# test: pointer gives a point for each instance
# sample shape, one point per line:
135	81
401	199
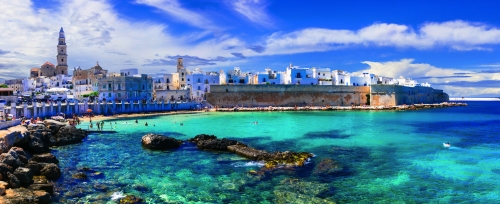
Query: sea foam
247	164
117	195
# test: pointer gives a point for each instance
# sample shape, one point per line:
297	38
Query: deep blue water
386	157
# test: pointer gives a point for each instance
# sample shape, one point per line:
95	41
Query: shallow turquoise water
387	157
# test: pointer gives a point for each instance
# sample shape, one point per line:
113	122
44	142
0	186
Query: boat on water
446	145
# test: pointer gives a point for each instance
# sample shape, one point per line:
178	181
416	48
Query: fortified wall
314	95
287	95
390	95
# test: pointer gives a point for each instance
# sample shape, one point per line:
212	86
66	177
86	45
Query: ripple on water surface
385	157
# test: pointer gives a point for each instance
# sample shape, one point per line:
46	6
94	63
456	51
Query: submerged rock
41	183
327	166
79	175
130	199
23	195
154	141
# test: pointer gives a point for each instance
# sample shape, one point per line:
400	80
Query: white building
236	76
364	79
29	84
270	77
302	76
199	83
324	76
406	82
129	72
340	77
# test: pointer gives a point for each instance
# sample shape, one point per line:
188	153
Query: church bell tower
62	57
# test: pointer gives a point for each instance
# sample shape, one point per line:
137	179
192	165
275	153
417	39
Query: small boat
447	145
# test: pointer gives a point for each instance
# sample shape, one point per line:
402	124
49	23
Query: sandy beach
103	117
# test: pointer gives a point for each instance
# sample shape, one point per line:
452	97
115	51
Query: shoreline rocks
272	160
160	142
25	178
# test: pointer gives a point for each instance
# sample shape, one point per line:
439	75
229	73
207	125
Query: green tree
93	95
4	86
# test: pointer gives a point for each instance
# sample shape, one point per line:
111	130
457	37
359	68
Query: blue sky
454	45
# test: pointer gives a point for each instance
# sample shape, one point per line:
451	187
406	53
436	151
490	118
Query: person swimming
446	144
146	124
136	121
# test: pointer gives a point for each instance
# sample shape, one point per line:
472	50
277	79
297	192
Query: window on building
298	75
168	80
182	79
104	86
198	80
263	79
199	88
119	94
242	81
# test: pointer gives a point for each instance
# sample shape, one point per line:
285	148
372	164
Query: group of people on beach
25	121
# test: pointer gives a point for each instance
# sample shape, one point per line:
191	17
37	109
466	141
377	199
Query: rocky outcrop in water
31	175
157	142
271	159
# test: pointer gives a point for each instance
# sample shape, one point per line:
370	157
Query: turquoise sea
385	157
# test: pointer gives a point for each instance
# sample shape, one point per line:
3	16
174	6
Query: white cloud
457	35
174	9
468	83
253	10
95	32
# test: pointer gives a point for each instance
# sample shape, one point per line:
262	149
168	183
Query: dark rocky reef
25	176
25	181
157	142
271	159
40	137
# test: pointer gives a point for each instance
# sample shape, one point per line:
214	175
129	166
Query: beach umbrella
89	111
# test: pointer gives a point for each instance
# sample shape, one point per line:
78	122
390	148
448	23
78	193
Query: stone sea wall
314	95
391	95
287	95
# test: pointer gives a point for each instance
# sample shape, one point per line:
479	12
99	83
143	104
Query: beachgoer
136	121
98	126
146	124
